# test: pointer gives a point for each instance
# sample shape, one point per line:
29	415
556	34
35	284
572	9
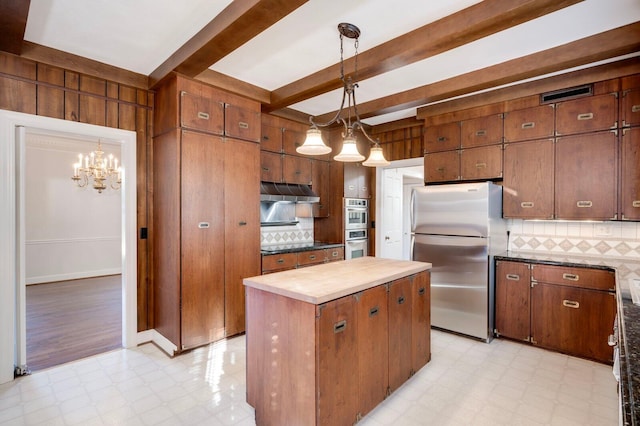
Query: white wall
71	232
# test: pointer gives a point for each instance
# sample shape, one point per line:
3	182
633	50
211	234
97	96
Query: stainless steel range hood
273	192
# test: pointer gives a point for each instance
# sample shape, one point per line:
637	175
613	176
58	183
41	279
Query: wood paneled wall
36	88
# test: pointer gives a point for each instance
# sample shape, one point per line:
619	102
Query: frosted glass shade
349	153
313	144
376	158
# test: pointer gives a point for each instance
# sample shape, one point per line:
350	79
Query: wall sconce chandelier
313	145
102	171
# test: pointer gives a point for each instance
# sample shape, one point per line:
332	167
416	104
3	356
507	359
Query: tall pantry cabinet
206	219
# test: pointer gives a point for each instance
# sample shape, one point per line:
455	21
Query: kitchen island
327	343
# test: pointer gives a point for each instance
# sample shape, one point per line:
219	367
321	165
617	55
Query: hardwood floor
69	320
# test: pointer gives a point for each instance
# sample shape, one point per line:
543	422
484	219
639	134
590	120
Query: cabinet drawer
442	138
201	113
270	166
334	254
481	163
291	140
311	257
529	123
271	138
442	166
481	131
242	123
596	279
273	262
587	115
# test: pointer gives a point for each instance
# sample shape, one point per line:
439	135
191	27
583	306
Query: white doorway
393	194
13	129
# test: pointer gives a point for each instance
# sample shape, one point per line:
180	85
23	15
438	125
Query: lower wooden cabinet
282	262
562	308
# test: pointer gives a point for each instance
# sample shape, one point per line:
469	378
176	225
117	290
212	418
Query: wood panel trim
467	25
13	22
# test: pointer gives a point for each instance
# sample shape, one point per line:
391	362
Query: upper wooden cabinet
442	166
356	181
292	139
190	104
443	137
296	169
270	166
630	174
630	107
588	114
321	184
271	139
528	180
530	123
481	163
586	176
481	131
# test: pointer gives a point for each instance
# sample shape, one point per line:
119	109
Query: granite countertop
297	247
628	315
329	281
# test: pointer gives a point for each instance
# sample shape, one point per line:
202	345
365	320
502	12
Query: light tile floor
466	383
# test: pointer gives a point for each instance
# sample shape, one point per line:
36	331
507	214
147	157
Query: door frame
12	233
411	162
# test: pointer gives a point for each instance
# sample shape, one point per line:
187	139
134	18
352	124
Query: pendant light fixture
314	145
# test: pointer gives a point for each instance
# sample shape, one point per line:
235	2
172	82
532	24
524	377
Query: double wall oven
356	221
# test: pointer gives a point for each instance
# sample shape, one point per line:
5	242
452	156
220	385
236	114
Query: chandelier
102	171
313	144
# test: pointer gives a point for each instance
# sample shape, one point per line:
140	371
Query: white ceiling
140	35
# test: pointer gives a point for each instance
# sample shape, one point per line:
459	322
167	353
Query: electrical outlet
602	230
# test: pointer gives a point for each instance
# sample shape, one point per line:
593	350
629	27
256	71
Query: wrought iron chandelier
103	171
313	145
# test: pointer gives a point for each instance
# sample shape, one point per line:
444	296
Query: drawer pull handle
571	277
243	125
203	225
529	125
242	223
266	169
400	300
586	116
481	133
422	291
440	169
281	260
570	304
334	254
636	203
442	139
373	311
298	172
583	204
527	204
340	326
364	188
481	165
203	115
635	108
312	257
513	277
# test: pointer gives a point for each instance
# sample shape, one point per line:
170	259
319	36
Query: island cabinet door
421	320
373	347
337	361
399	332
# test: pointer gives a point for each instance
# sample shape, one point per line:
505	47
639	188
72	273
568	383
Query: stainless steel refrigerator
458	228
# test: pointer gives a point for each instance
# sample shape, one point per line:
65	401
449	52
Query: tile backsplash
606	239
302	232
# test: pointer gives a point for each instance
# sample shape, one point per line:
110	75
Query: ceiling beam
13	22
235	25
470	24
609	44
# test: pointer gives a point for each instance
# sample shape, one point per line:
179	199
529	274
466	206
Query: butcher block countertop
329	281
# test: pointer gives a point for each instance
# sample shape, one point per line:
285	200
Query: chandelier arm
358	124
335	118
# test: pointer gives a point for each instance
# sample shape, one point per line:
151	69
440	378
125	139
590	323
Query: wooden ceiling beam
13	22
473	23
235	25
609	44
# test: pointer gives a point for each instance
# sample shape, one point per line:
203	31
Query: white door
391	241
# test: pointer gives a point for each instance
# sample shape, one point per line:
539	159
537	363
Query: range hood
273	192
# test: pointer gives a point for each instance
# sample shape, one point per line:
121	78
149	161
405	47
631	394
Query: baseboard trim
72	276
162	342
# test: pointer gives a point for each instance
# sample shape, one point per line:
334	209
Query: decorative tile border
576	238
289	234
